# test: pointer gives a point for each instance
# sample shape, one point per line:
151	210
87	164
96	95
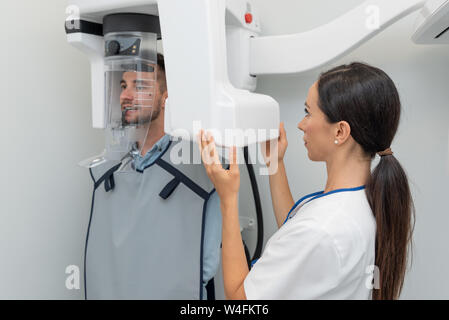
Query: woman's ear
342	131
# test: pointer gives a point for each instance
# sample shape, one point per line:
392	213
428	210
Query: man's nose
127	94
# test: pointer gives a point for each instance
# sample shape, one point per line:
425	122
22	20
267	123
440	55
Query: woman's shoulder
345	217
336	209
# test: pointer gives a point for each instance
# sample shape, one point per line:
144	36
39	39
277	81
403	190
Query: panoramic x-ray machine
213	54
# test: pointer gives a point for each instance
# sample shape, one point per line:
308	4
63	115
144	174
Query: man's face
139	97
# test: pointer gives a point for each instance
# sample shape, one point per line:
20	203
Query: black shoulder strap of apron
109	183
107	177
179	177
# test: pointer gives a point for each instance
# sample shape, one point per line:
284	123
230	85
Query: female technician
349	241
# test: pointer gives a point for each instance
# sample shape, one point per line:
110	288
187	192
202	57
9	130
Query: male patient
155	230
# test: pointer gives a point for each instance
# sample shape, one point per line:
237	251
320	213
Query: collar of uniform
141	162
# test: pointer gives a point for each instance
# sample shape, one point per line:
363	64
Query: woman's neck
345	171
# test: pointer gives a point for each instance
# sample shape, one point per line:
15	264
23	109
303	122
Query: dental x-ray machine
213	54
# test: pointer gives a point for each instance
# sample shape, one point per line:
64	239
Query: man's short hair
161	73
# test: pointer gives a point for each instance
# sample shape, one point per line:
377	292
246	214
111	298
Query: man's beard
142	120
156	111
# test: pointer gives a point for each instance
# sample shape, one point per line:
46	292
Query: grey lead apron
146	229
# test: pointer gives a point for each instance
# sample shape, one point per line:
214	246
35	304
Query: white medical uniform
324	250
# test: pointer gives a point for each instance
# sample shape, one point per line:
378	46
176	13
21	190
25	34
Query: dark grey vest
146	229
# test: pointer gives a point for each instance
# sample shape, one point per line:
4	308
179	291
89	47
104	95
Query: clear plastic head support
130	88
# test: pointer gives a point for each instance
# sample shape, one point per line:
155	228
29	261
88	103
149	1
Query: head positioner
130	75
130	58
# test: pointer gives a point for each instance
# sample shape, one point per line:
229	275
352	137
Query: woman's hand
226	182
279	147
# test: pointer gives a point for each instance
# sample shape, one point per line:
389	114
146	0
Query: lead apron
144	243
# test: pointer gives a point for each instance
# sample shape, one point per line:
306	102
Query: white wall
45	196
45	131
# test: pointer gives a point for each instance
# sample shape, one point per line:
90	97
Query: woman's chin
311	156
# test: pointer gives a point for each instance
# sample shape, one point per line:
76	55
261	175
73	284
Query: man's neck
155	133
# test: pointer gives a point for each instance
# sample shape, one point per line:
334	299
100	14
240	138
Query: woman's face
319	134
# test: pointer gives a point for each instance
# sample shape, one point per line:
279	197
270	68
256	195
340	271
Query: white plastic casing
432	25
93	47
200	92
301	52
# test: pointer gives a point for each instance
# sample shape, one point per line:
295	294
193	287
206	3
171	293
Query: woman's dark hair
366	98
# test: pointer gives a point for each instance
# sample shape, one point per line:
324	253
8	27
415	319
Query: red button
248	18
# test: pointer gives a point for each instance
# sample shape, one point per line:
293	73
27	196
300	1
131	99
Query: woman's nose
301	125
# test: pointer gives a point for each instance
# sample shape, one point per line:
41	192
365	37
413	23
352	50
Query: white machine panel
432	25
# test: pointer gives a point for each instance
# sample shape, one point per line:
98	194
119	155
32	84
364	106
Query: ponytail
390	199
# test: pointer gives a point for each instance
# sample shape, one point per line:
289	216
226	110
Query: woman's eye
307	112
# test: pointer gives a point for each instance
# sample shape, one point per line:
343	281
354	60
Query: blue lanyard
317	195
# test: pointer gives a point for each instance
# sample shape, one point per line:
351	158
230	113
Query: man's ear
164	97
